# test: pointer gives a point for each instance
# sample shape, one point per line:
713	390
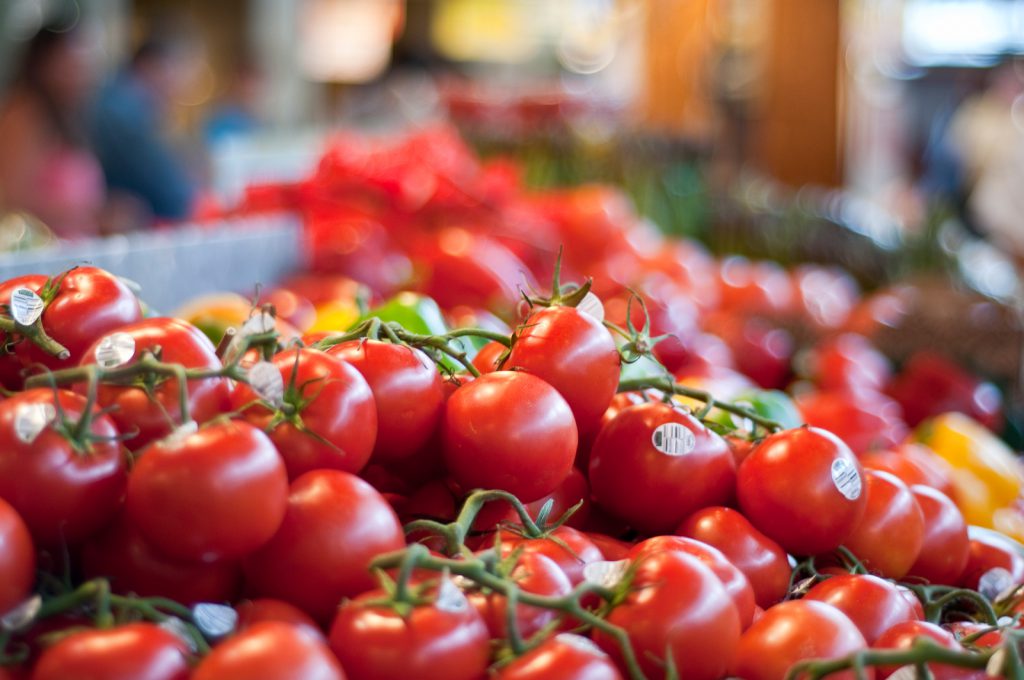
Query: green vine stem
454	533
936	599
923	651
36	334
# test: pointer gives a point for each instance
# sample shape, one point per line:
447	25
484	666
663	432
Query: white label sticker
214	620
846	478
181	433
178	629
261	322
579	642
673	439
591	306
266	381
32	419
22	615
26	306
994	582
605	573
449	597
115	350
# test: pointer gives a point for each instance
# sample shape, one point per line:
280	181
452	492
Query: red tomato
154	413
512	431
322	288
438	641
654	464
755	287
914	464
989	551
573	490
260	610
120	554
407	389
962	629
463	268
10	366
575	354
533	573
89	303
17	559
611	548
762	352
331	419
735	582
335	525
215	494
564	657
270	649
865	420
847	362
135	651
889	537
931	384
793	631
290	306
903	635
486	360
63	494
873	604
765	564
825	295
570	549
676	605
945	548
802	489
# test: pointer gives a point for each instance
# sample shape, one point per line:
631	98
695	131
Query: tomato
564	657
873	604
17	559
10	367
931	384
802	489
988	552
945	548
154	414
758	287
890	535
290	306
762	352
119	554
962	629
509	430
135	651
735	582
407	389
486	360
847	361
260	610
825	295
533	573
215	494
334	526
569	548
676	605
793	631
64	494
914	464
89	303
764	563
903	635
574	353
328	418
611	548
573	490
437	641
270	649
864	419
654	464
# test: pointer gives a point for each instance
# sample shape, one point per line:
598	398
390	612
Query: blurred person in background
237	112
46	167
130	128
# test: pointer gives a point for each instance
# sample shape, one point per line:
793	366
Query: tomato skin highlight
135	651
563	657
271	649
946	546
903	635
873	604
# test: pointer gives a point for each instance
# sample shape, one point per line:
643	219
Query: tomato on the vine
890	535
903	635
945	547
534	573
873	604
563	657
262	609
571	549
17	558
134	651
271	649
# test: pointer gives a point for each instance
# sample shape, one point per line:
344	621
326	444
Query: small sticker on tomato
117	349
31	419
266	381
26	306
214	620
607	574
995	582
846	477
449	597
673	439
591	306
179	629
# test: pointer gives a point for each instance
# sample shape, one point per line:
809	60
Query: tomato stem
923	651
36	334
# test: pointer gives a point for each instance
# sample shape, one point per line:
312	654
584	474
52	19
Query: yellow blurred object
337	315
213	314
988	477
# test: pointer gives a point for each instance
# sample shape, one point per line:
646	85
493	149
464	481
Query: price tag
266	381
846	478
115	350
673	439
31	419
605	573
26	306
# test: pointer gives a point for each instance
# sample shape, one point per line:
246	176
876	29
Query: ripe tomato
873	604
989	551
135	651
793	631
509	430
676	606
119	554
215	494
10	366
486	360
802	489
439	641
331	419
847	361
260	610
407	389
654	464
889	537
573	490
575	354
864	419
89	303
334	526
533	573
914	464
735	582
569	548
271	649
764	563
17	558
945	547
903	635
154	413
563	657
64	494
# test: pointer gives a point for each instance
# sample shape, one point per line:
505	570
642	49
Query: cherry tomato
407	389
904	634
889	537
437	641
765	564
564	657
271	649
135	651
793	631
334	526
676	605
512	431
219	493
65	494
989	551
533	573
654	464
17	558
865	420
569	548
945	548
873	604
328	418
260	610
802	489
